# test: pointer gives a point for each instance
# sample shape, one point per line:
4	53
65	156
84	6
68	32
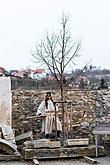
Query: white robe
48	122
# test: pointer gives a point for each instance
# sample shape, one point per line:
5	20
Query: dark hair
48	94
46	100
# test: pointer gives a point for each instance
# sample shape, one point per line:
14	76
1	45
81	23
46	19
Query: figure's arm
41	108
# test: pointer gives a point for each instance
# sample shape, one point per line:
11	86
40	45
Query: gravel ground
102	160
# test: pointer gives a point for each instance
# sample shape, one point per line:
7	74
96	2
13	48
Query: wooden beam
90	160
96	143
35	162
42	116
20	139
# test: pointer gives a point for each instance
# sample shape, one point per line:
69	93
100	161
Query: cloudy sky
23	23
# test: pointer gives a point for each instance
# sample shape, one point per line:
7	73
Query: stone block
76	142
41	143
20	139
66	152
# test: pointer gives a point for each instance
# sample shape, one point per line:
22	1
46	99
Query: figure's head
48	96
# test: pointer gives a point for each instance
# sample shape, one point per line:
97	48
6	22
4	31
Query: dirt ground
102	160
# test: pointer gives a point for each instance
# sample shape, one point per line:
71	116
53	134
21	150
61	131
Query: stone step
68	152
41	143
76	142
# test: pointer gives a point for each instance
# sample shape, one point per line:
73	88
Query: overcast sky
23	23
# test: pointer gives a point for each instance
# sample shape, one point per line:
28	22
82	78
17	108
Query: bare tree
57	52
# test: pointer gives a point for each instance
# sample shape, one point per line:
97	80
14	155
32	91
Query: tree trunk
62	100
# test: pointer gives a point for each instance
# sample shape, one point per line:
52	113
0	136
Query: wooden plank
35	161
41	116
90	160
35	117
9	157
76	142
20	139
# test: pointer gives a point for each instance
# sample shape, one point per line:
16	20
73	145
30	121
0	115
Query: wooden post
63	127
96	143
55	121
70	117
66	119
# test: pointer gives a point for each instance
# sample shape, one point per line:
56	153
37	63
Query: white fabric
42	108
48	123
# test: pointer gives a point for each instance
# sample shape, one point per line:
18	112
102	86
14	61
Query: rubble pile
88	107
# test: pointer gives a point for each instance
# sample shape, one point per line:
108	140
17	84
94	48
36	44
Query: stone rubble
88	108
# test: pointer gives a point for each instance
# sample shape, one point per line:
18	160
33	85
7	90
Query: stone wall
5	101
88	107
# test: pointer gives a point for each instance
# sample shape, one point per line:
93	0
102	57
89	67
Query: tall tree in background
57	52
